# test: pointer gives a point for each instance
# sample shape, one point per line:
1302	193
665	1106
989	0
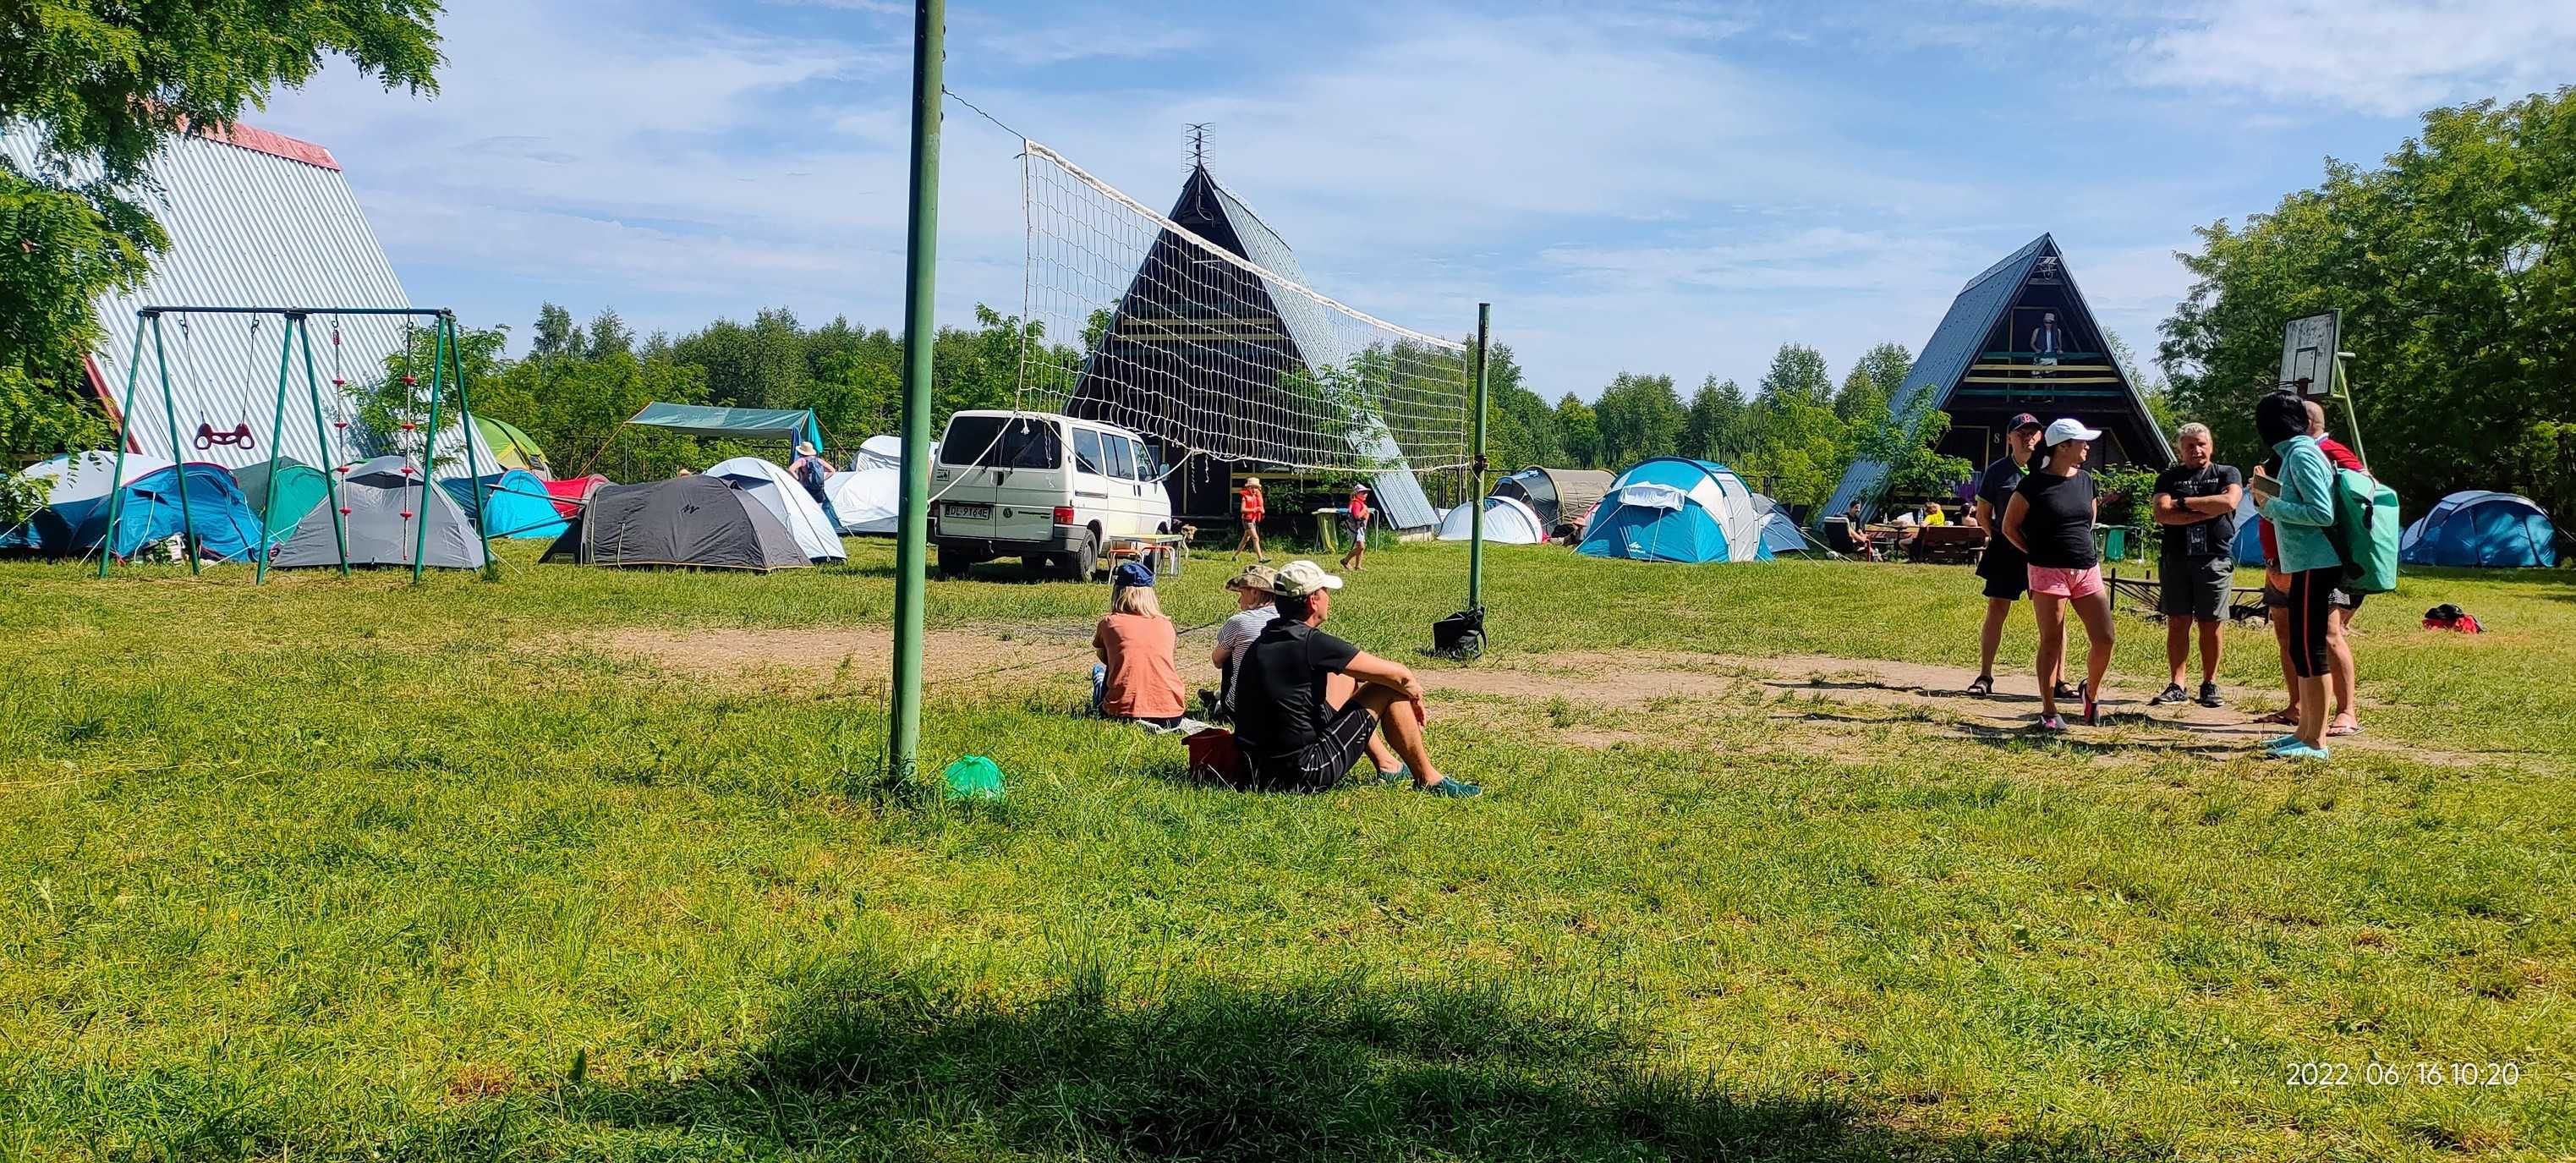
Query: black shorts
2195	587
2007	576
2305	608
2338	597
1322	763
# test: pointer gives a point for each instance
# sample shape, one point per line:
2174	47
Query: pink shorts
2066	583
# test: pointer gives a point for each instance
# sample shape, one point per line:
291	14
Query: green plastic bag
974	778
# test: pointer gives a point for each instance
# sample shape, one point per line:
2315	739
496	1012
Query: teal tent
286	495
520	504
783	424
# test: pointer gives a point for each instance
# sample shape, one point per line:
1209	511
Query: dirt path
978	657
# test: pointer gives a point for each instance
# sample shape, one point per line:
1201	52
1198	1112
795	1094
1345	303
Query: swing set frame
446	367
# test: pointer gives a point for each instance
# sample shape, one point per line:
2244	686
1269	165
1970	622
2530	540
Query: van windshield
1002	442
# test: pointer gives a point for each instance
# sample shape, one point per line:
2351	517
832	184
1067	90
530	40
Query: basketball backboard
2308	352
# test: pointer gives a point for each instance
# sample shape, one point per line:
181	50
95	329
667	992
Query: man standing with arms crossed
2195	503
2005	570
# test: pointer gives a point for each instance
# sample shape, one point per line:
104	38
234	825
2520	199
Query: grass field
586	864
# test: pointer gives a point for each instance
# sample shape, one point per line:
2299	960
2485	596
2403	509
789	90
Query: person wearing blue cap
1137	677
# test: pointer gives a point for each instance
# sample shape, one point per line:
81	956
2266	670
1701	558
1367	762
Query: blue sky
1652	186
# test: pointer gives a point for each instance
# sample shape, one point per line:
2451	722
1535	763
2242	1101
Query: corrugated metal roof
259	219
1956	343
1310	326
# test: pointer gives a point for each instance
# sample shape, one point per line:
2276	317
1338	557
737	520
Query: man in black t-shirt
1308	705
2005	571
2195	504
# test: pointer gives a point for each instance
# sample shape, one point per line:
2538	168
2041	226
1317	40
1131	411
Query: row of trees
2454	264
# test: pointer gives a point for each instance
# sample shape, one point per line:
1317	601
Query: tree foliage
2455	270
100	85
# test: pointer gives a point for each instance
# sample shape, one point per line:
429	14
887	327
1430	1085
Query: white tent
866	499
1508	521
786	500
879	452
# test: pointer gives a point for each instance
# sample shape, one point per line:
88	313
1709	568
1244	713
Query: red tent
570	495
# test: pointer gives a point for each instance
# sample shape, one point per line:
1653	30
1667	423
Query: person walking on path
1250	507
1357	524
2195	504
2050	519
2005	571
2299	503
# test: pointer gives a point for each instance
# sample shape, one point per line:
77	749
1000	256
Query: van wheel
953	563
1079	564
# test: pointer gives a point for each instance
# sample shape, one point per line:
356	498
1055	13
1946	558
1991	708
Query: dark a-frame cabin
1985	363
1195	356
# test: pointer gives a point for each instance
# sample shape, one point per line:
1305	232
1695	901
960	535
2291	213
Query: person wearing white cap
2050	519
1308	705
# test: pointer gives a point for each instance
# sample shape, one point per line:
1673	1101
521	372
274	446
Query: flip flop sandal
2284	718
1979	689
2346	729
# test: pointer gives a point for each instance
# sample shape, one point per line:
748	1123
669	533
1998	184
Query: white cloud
2389	57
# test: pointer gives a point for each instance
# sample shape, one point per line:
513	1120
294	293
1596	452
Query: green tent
510	448
296	488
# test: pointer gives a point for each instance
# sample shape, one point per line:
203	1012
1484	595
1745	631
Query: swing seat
239	437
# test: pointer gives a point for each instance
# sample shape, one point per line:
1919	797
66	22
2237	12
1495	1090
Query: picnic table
1163	553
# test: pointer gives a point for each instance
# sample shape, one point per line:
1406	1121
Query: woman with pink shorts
2050	518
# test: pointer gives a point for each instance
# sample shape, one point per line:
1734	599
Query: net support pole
912	540
124	440
276	431
1476	468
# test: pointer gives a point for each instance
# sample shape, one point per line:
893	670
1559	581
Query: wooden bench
1947	545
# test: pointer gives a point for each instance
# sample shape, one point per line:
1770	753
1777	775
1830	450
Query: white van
1049	490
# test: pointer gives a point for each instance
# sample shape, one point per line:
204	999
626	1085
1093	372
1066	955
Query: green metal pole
322	440
124	437
429	447
1476	515
276	429
170	417
912	542
473	468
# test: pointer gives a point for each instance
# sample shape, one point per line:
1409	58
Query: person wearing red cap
2005	571
1356	524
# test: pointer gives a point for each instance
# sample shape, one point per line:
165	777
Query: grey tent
693	522
383	503
1562	497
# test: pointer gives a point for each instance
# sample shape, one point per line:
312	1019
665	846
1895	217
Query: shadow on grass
2032	736
878	1063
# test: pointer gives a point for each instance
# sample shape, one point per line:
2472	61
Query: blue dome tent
2479	528
74	519
1673	509
1780	535
521	507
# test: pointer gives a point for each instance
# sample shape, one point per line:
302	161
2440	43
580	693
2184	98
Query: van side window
1122	457
1087	456
997	442
1148	466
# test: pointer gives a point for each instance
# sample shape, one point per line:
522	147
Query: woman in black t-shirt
2050	519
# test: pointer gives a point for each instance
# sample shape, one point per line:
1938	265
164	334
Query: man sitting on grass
1307	705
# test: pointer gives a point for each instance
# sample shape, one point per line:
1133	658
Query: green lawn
356	870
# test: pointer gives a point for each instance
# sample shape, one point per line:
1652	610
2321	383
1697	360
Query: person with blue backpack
2299	501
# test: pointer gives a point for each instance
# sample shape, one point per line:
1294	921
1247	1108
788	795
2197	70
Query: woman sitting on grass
2050	519
1137	678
